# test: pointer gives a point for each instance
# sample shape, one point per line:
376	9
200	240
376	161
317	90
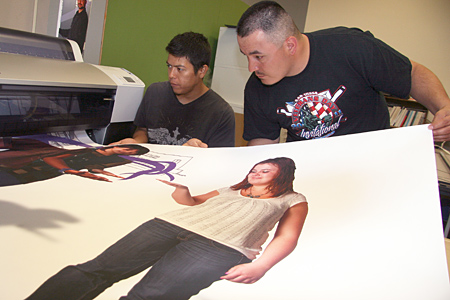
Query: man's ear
203	70
291	44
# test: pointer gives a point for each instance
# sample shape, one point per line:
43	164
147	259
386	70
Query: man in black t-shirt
325	83
183	110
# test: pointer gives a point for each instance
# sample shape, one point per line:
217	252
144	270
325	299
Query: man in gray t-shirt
183	110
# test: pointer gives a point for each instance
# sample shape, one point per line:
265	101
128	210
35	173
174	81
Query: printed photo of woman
218	235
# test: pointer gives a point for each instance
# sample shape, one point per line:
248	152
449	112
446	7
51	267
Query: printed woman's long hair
282	183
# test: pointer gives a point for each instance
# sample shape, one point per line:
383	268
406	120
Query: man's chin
269	81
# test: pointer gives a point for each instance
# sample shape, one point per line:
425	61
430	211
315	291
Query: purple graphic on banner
153	167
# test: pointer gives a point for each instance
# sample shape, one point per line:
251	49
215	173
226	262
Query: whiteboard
230	70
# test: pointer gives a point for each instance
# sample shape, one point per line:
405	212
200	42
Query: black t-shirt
338	93
169	122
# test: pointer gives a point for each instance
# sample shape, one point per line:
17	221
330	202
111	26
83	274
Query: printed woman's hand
106	173
86	174
245	273
175	185
181	194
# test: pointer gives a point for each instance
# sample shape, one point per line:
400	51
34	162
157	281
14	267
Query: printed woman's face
262	174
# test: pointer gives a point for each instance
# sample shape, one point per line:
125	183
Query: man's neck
301	55
193	95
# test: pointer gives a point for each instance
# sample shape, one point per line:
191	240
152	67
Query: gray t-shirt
168	122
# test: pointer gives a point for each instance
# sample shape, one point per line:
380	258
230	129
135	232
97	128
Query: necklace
255	196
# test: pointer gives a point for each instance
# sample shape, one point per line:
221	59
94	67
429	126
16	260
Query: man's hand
195	143
441	125
427	89
125	141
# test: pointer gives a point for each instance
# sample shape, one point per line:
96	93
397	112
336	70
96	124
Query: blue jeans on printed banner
183	263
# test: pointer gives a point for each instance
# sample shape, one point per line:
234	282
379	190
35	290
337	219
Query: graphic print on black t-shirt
314	114
163	136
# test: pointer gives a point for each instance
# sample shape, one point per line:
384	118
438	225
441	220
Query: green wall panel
137	31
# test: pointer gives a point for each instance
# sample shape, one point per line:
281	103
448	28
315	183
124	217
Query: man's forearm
261	141
140	135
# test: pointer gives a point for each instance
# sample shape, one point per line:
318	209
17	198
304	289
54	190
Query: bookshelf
405	112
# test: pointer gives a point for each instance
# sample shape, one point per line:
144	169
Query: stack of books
402	116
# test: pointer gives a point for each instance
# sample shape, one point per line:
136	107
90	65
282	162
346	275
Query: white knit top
229	218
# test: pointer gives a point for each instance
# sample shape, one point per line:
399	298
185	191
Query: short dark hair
269	17
194	46
282	183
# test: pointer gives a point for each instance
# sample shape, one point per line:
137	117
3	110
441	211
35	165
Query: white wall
39	16
230	70
17	14
296	8
417	28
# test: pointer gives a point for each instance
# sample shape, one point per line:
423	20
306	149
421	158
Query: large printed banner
373	231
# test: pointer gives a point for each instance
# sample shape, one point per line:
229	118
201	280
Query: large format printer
46	87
